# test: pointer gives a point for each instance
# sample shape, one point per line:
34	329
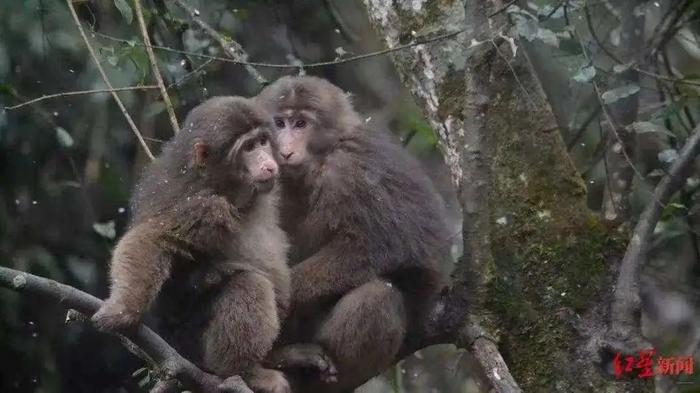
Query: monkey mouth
290	165
264	185
292	170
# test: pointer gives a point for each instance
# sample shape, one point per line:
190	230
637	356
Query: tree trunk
543	260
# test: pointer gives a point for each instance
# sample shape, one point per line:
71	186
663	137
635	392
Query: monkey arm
330	273
140	265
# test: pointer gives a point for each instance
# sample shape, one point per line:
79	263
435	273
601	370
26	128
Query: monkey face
293	131
256	161
231	144
310	117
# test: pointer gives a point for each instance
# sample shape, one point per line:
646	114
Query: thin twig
190	74
122	108
232	48
339	20
594	34
584	126
613	128
154	67
626	296
418	41
78	93
169	362
515	74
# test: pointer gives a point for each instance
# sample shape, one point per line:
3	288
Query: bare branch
107	82
232	48
626	297
169	362
154	66
78	93
486	351
423	40
190	74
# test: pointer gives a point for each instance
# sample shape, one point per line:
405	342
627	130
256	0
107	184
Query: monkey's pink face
293	132
256	157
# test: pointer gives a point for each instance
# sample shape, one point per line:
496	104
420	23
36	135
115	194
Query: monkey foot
165	386
234	384
264	380
112	317
309	356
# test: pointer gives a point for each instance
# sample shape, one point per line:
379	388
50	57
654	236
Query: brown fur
204	250
366	230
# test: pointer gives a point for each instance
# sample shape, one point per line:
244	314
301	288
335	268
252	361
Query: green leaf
154	109
105	229
139	372
64	138
145	381
643	127
668	156
125	9
113	60
585	74
530	30
614	95
548	37
139	57
6	89
620	68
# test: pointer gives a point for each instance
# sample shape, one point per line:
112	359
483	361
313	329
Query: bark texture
544	262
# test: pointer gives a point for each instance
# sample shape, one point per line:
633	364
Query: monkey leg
243	324
362	334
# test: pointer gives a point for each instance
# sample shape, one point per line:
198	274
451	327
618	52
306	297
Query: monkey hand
234	384
308	356
115	317
265	380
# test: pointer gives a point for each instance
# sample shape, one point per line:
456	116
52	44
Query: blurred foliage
67	164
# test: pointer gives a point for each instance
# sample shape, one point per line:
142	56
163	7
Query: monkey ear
201	153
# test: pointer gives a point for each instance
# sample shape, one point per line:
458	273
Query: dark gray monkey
367	236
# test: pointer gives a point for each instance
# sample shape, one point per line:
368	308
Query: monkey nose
287	155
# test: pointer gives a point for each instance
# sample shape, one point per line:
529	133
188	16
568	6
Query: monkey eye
279	123
300	124
248	146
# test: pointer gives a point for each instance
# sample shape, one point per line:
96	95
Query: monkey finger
328	371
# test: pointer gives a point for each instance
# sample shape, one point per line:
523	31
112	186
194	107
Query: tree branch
422	40
169	362
78	93
461	131
154	66
626	299
232	48
122	108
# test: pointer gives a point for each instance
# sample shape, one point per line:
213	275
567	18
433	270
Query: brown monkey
205	246
367	236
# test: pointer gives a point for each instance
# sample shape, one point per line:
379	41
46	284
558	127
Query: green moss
551	253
